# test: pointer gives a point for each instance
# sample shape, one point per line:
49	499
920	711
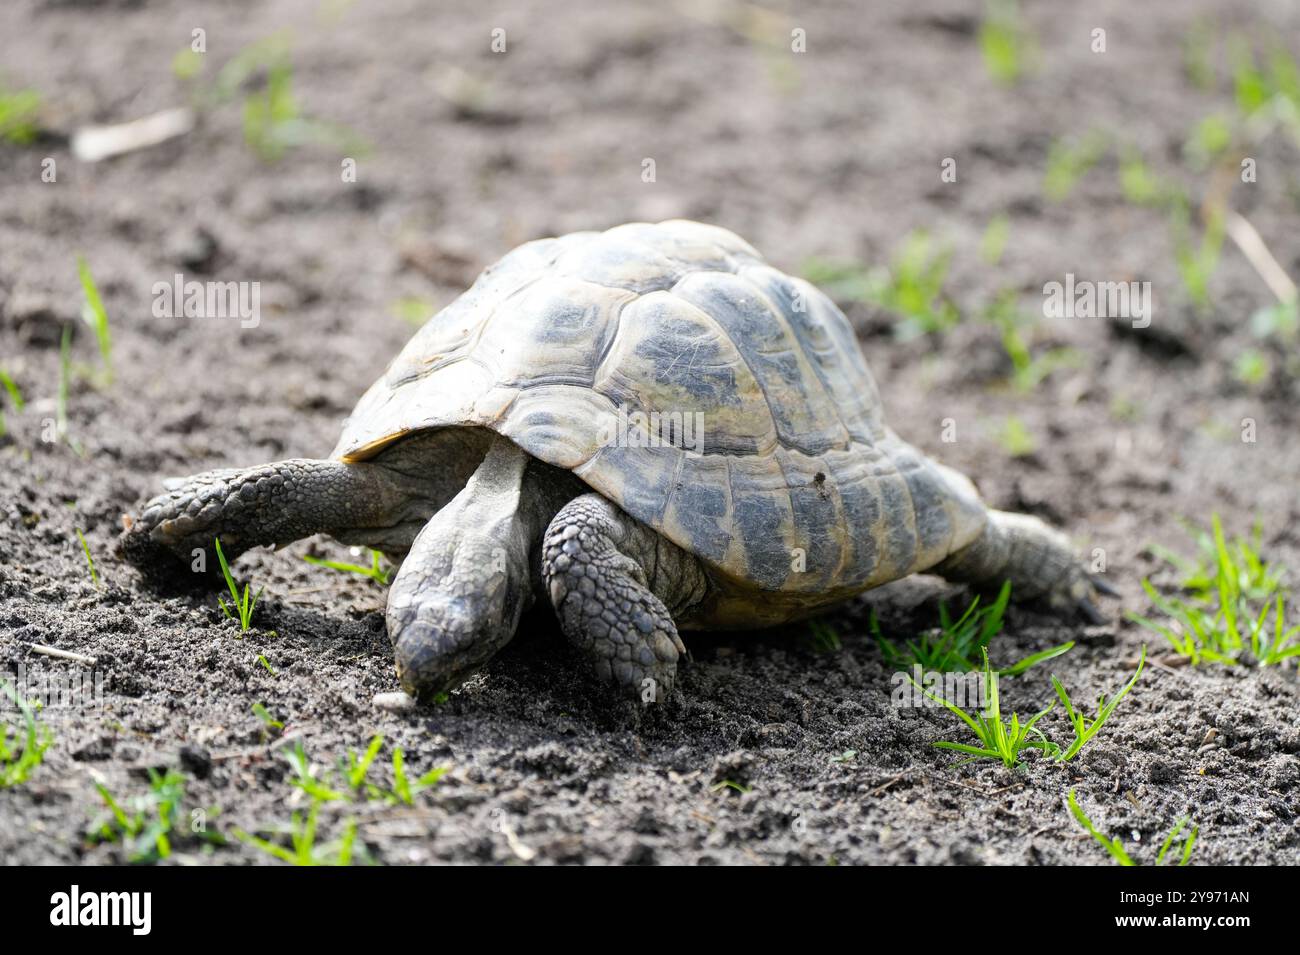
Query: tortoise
648	426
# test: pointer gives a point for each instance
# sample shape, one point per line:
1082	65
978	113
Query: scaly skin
612	581
274	504
1037	560
457	599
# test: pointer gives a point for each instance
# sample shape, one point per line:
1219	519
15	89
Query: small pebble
398	702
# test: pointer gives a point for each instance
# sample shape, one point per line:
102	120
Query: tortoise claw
1090	612
1102	586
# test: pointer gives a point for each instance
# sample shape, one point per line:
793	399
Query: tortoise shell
588	350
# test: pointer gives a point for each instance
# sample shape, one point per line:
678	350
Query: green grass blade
90	561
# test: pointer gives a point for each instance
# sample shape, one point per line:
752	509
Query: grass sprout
994	240
12	390
1000	739
146	825
1027	369
374	571
406	789
95	315
1068	161
1016	438
274	124
1116	848
15	398
1218	621
1084	728
1005	42
90	561
243	605
1197	257
351	779
263	714
1236	559
22	749
18	112
824	638
911	287
302	849
65	383
956	645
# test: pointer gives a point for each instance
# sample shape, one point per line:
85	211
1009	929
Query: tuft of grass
1084	728
730	784
958	641
90	561
11	388
1006	739
1140	185
824	637
95	315
147	824
1000	739
15	398
1005	42
1238	557
302	849
913	287
263	714
374	571
413	309
1068	161
1209	140
1218	621
955	646
1281	320
994	240
244	606
308	778
350	780
403	787
272	121
18	112
21	749
1027	369
1116	848
1016	438
274	124
1251	367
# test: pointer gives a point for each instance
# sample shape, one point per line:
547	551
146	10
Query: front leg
594	562
269	504
460	591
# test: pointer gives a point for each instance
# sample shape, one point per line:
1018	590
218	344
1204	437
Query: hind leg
616	585
1037	559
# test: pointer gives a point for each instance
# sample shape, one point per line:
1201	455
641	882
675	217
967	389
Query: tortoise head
450	633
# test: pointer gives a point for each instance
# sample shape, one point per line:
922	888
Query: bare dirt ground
832	155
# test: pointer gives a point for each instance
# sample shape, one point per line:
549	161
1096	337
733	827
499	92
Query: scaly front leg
269	504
